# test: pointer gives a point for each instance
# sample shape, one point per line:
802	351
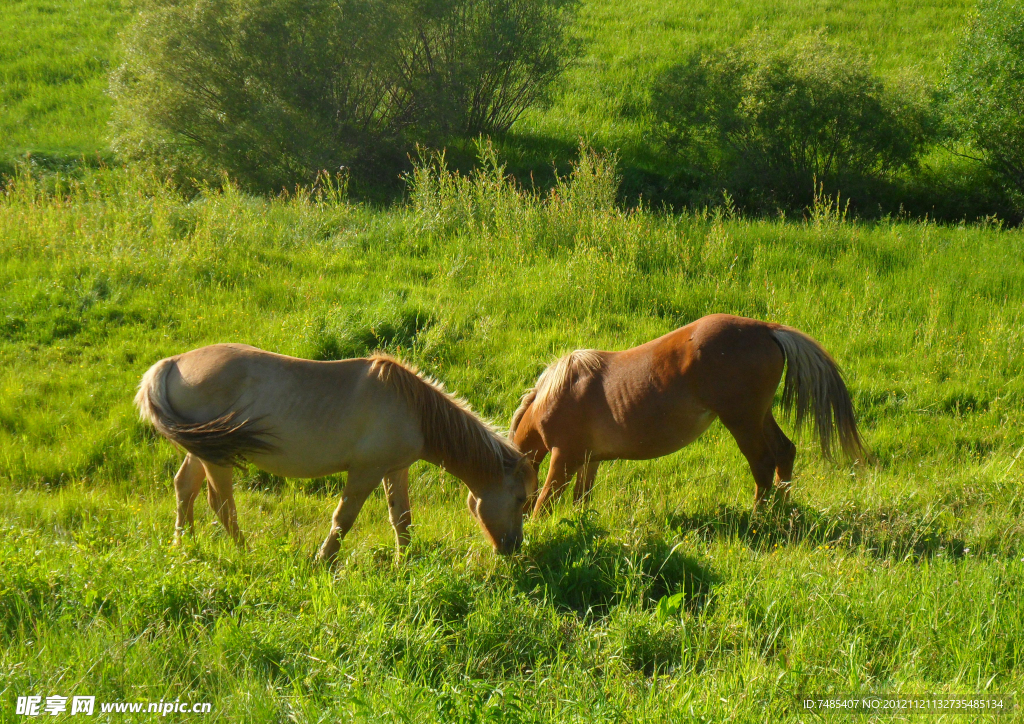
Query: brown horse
297	418
654	399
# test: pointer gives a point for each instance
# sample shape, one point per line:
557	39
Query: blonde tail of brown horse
814	388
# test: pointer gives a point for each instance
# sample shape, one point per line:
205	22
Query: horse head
499	506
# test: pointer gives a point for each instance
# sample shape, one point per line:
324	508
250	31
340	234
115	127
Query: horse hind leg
220	493
755	448
187	483
782	447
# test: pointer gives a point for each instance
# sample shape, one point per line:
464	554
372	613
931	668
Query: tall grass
629	44
897	577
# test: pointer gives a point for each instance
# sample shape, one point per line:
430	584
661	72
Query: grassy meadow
667	601
626	44
54	60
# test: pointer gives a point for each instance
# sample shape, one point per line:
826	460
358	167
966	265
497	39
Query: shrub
985	89
765	122
273	91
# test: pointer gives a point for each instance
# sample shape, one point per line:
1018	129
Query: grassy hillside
54	56
54	59
895	578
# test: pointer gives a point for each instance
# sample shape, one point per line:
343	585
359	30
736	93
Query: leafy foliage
985	89
273	91
765	122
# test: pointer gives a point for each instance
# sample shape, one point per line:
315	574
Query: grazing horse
654	399
298	418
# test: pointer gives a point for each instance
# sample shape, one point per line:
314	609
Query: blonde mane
565	372
450	428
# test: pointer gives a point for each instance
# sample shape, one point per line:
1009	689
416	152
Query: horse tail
814	386
225	440
524	404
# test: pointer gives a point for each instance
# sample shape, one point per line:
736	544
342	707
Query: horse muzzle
510	544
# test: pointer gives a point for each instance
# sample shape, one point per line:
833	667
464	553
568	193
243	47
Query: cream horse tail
225	440
814	386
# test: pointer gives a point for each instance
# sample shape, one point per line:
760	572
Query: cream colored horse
299	418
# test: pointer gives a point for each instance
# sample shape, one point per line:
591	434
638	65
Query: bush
985	90
764	122
273	91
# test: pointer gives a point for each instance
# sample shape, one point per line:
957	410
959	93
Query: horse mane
565	372
450	427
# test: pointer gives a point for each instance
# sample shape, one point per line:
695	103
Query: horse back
728	363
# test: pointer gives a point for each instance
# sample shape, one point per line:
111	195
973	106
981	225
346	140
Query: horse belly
298	462
348	442
647	437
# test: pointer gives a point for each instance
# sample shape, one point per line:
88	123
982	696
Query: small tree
985	89
764	122
274	91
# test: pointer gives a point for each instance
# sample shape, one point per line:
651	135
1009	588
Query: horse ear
473	503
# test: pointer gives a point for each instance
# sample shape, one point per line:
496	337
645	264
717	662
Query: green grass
55	56
54	60
899	577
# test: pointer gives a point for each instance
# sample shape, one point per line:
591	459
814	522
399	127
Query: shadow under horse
655	399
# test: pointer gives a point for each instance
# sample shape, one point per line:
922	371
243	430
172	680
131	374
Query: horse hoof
323	559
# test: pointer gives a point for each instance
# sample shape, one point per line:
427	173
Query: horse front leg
560	472
585	482
396	489
358	487
536	456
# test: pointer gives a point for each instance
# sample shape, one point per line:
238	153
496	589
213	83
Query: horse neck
468	474
459	442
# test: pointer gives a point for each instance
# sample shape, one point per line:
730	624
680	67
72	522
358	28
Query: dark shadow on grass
579	567
49	163
879	532
537	162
